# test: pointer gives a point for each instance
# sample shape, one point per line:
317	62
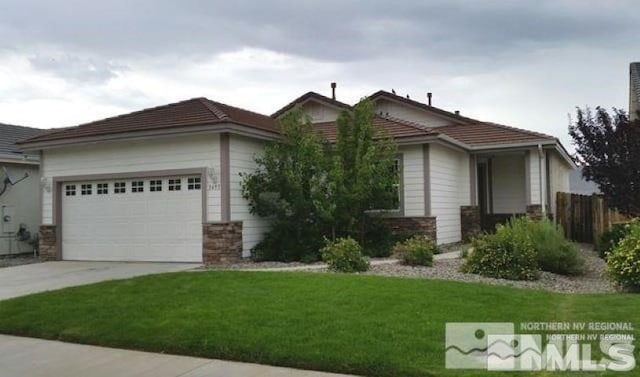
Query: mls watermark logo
497	347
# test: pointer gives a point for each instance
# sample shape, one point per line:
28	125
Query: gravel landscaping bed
593	281
17	260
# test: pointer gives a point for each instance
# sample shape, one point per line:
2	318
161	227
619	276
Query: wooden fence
585	217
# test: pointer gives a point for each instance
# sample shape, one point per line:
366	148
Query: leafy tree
362	174
290	188
310	189
608	148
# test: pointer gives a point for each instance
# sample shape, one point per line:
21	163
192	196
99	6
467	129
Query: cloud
76	68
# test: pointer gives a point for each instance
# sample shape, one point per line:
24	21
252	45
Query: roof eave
219	127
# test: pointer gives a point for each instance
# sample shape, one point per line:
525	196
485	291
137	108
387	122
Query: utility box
7	220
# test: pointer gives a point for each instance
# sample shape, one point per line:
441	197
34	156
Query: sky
526	64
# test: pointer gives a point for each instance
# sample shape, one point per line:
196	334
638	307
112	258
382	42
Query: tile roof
396	128
307	96
423	106
9	134
192	112
485	133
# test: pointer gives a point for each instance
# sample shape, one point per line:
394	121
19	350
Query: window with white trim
155	185
175	184
102	188
119	187
193	183
85	189
70	190
137	186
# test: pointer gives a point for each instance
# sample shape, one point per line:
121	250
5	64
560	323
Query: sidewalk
29	357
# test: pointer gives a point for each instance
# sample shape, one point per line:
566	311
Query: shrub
345	255
554	252
623	262
610	238
506	254
416	251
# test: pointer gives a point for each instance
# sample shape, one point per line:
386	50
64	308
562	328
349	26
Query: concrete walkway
28	357
32	278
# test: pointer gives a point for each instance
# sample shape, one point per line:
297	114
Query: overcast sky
522	63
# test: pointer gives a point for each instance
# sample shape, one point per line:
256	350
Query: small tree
290	188
363	177
608	148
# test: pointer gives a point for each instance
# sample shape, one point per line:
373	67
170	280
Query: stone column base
419	225
221	242
470	222
534	211
48	243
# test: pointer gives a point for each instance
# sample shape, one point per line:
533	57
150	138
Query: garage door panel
132	226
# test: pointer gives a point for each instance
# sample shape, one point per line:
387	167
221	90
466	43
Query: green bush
504	254
623	262
416	251
554	252
609	239
345	255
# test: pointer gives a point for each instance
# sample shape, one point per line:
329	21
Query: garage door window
137	186
174	184
119	188
193	183
102	189
70	190
86	189
155	185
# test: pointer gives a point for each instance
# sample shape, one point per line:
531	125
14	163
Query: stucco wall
319	112
413	180
559	174
23	203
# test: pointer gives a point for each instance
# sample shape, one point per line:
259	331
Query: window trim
102	188
155	185
191	186
137	187
86	189
117	187
174	184
70	190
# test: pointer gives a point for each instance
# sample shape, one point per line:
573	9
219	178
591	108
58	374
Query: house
19	191
163	184
634	90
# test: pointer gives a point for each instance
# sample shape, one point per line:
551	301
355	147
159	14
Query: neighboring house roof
485	133
396	128
422	106
311	96
192	112
579	185
9	134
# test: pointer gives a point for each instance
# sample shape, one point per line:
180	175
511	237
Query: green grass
342	323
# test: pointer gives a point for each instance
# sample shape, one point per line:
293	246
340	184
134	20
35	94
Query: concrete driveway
40	277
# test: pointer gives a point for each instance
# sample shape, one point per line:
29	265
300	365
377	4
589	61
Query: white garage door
146	219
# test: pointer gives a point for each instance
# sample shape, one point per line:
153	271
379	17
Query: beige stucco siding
413	180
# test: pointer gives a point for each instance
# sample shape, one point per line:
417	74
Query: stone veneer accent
470	222
48	243
221	242
416	225
534	211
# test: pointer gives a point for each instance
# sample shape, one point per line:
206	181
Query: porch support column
535	177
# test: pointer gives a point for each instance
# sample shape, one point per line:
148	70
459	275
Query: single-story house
19	191
163	184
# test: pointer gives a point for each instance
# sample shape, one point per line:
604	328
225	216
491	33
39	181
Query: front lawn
363	325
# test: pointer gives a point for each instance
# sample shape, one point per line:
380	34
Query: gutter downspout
541	184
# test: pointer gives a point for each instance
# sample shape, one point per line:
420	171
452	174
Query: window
85	189
70	190
396	168
119	187
174	184
102	189
155	185
137	186
193	183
